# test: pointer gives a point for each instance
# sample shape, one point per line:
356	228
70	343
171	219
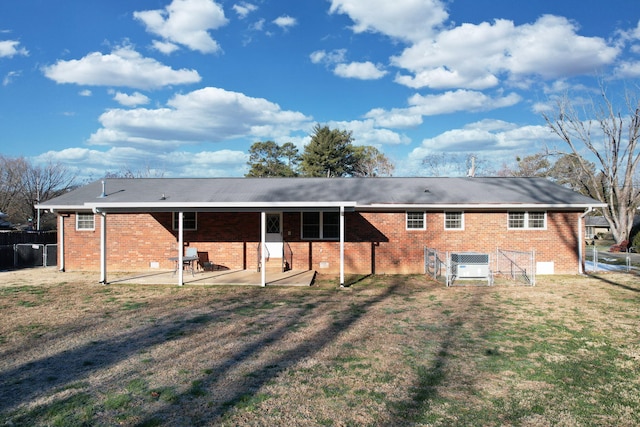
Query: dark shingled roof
363	191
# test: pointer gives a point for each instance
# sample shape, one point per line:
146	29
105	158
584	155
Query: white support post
103	248
61	243
180	248
263	248
341	246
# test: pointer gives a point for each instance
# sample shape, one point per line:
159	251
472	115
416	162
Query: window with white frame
85	221
416	220
189	221
453	221
527	220
321	225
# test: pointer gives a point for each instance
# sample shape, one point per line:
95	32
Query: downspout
581	240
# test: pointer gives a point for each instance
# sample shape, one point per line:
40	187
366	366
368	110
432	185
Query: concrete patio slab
222	277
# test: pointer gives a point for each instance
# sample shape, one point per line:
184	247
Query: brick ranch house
332	225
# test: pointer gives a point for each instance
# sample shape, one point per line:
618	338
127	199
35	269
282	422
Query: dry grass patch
388	350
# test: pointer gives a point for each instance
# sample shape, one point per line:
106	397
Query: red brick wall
375	242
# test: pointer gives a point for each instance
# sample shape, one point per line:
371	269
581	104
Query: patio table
191	259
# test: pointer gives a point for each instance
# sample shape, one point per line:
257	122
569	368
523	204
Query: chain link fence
519	266
621	261
481	268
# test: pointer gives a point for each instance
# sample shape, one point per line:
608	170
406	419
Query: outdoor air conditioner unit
470	264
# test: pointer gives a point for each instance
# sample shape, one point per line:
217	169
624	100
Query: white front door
273	239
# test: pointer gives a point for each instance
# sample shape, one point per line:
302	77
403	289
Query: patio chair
189	254
203	261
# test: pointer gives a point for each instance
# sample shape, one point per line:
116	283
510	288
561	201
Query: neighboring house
331	225
4	222
596	227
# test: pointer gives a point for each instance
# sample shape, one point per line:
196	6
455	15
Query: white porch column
180	248
61	242
341	246
263	247
103	247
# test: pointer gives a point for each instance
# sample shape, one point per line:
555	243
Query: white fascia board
176	206
66	208
478	206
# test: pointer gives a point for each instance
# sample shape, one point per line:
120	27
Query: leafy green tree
268	159
371	162
329	153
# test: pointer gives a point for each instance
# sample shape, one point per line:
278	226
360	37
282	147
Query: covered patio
222	277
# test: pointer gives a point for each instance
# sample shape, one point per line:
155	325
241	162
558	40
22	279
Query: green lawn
386	351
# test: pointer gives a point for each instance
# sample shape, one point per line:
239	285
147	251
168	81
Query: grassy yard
386	351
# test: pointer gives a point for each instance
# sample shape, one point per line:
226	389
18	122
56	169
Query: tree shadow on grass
432	376
608	280
245	389
47	375
53	377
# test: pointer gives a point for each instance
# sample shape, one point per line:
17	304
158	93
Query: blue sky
185	87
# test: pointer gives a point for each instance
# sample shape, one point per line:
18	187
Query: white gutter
211	205
475	206
581	239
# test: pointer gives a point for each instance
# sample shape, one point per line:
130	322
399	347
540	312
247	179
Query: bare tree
12	172
22	185
371	162
449	164
615	149
126	172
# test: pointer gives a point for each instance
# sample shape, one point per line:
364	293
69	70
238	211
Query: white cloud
258	25
186	22
495	139
85	92
243	9
360	70
460	100
355	70
333	57
11	48
478	56
410	20
365	132
123	67
164	47
443	78
205	115
132	100
285	22
628	70
444	103
91	164
10	76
